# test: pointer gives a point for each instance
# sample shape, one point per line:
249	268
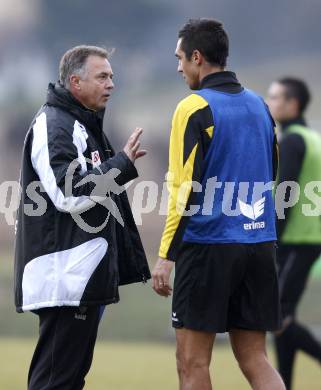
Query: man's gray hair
74	62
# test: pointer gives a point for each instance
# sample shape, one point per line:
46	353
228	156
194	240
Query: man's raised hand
132	146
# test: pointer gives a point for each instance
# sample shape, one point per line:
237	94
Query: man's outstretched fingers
141	153
136	134
136	147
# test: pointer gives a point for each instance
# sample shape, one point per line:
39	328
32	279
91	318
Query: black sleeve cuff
127	169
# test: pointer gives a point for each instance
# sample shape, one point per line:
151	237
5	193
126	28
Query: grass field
136	345
140	366
141	315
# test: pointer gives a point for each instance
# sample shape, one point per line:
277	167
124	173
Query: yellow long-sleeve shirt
191	134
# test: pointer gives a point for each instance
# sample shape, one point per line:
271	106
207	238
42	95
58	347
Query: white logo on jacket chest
95	158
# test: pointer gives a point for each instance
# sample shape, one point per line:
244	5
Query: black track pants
65	348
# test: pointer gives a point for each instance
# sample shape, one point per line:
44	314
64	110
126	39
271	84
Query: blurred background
268	40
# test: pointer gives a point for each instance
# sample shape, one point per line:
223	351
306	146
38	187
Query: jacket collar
221	79
296	121
60	97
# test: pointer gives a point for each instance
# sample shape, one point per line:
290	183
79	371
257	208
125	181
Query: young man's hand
133	144
160	277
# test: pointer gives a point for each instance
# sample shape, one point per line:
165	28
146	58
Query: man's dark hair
297	89
208	37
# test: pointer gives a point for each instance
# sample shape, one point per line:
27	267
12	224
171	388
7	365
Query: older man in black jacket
76	239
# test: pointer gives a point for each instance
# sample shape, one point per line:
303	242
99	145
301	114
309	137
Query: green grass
140	366
141	315
136	345
316	271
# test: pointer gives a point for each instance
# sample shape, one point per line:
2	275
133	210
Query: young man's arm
191	134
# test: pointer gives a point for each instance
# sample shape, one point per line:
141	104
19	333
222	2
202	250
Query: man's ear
197	57
74	81
294	104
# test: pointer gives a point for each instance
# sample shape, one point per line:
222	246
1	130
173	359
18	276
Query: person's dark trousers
294	338
65	348
295	263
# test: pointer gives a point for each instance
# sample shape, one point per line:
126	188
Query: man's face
188	68
282	108
96	86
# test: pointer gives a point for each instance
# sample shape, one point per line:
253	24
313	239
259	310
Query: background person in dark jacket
299	235
71	254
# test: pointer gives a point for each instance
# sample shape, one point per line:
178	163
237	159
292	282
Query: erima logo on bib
253	212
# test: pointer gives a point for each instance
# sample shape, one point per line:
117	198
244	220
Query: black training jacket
76	239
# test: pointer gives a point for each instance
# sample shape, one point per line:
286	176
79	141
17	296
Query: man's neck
80	101
299	120
207	69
